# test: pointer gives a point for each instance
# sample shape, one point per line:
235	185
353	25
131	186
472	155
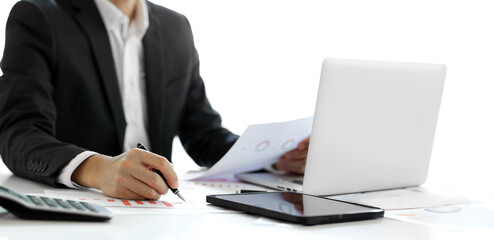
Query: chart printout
259	146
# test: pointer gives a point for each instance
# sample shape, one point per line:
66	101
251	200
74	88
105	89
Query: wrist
87	173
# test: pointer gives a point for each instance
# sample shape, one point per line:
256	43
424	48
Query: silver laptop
373	128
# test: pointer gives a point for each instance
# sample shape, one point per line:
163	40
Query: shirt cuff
65	177
270	168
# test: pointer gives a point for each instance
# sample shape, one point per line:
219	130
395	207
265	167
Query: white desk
230	225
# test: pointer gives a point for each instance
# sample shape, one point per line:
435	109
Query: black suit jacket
59	94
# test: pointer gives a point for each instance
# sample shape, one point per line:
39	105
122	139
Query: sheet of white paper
194	192
100	199
453	217
414	197
259	146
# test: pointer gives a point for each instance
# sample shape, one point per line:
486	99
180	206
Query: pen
174	190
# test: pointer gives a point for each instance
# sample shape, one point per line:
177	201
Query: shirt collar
115	20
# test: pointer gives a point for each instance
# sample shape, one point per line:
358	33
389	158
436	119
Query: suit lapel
153	67
90	20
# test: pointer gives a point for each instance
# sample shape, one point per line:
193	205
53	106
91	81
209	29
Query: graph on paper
194	191
100	199
259	146
130	203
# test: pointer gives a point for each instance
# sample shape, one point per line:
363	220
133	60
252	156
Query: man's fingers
295	165
296	154
304	144
160	163
141	189
129	194
294	160
150	178
124	193
292	165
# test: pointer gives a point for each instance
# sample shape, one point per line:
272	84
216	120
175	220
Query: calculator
45	208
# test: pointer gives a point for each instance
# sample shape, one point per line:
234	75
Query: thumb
304	144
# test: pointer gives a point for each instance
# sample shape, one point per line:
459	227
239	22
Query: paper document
100	199
407	198
259	146
194	192
453	217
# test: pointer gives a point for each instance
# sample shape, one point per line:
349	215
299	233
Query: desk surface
225	225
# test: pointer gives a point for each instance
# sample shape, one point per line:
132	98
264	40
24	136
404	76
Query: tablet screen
297	204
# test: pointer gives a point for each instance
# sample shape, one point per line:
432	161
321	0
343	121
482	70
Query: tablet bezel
372	213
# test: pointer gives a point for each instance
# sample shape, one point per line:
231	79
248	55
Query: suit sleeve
201	132
28	143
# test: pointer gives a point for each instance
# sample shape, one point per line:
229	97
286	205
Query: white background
261	62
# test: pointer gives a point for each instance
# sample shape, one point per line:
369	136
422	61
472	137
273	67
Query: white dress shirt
126	44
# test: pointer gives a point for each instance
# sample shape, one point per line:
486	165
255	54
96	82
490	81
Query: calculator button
88	206
35	200
63	203
77	205
49	202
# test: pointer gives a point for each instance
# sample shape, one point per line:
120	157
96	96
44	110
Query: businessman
85	80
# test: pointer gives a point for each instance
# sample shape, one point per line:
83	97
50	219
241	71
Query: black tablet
296	207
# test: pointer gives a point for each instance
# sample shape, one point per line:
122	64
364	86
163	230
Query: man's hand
129	175
294	161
